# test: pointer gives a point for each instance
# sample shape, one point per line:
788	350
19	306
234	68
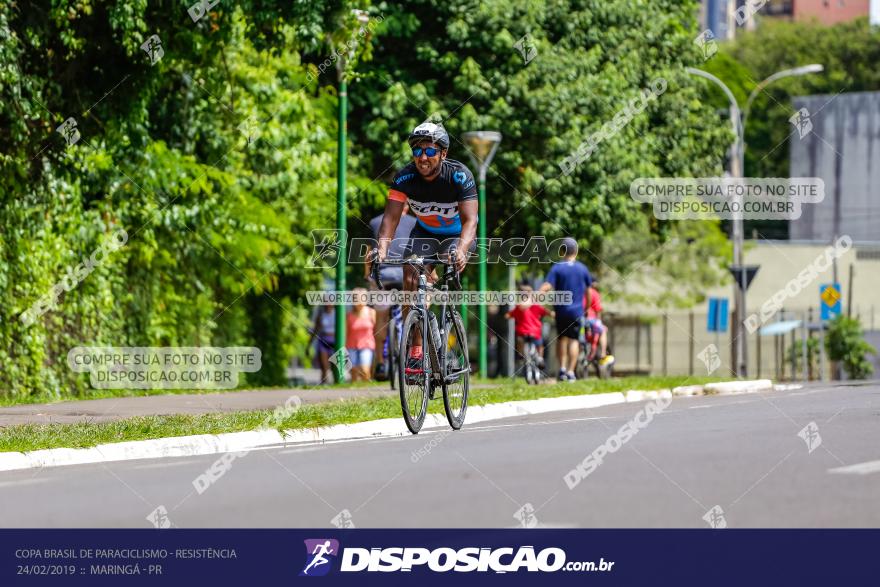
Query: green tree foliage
219	158
459	61
216	160
845	343
849	51
795	356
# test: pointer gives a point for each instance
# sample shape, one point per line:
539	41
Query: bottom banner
386	557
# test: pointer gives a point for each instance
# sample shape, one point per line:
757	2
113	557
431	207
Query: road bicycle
443	361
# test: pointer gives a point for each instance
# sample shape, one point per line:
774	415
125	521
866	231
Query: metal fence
679	343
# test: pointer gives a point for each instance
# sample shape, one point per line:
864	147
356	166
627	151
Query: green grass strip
6	400
27	437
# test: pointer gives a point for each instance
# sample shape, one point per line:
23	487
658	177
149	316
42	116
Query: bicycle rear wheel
413	384
456	388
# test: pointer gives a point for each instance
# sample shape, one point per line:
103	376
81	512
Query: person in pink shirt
359	339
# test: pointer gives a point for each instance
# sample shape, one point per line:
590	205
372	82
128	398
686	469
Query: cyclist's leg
423	244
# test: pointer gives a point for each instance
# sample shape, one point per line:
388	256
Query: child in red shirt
527	324
593	304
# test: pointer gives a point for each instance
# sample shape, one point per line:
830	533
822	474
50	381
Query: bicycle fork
432	332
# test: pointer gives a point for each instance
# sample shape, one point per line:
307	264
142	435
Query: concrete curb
184	446
731	387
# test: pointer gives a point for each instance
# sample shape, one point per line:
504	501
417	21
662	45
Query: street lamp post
341	223
341	201
737	170
482	144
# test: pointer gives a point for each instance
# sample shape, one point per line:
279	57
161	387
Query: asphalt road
741	453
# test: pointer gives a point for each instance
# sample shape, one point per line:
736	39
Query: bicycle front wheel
457	380
412	374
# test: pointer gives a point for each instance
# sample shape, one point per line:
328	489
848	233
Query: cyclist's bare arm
468	211
367	268
393	212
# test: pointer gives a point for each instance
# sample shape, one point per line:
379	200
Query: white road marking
811	392
171	462
309	448
29	481
865	468
540	423
297	447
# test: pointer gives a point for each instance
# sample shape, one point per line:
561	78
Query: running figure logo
317	552
802	122
327	246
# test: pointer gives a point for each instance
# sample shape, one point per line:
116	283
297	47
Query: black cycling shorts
568	327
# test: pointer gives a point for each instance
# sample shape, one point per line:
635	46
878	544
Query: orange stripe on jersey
396	196
432	220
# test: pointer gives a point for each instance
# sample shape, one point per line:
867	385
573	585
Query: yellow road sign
830	296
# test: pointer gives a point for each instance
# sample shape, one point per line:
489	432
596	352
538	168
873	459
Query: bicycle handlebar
417	261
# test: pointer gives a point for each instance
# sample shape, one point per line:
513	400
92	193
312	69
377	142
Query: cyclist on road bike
391	278
442	195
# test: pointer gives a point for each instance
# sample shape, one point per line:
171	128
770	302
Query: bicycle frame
438	358
435	360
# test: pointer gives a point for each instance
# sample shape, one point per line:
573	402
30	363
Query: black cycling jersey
435	203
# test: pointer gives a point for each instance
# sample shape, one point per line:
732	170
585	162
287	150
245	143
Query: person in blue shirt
568	275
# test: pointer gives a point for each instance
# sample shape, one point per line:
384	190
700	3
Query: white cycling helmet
429	130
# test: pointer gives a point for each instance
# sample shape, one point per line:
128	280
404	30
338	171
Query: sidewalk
117	408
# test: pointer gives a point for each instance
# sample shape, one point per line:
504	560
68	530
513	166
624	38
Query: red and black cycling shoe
414	367
414	371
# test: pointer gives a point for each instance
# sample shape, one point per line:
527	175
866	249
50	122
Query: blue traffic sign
716	321
829	300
